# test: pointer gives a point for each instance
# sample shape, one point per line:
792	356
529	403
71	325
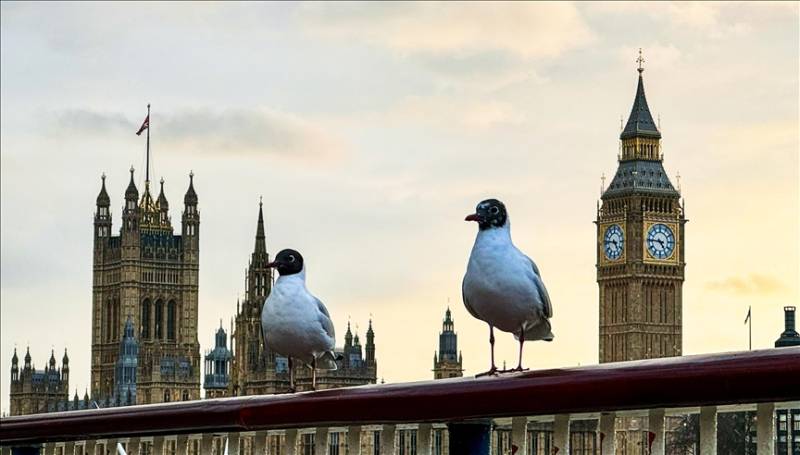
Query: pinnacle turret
102	199
132	193
163	205
191	197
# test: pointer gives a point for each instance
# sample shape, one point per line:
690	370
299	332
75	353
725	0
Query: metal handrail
699	380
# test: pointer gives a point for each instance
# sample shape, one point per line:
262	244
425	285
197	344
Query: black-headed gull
296	324
502	286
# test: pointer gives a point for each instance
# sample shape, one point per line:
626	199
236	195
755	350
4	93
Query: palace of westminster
145	345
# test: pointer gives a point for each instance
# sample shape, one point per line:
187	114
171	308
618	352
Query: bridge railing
504	414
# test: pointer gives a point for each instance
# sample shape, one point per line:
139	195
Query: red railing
763	376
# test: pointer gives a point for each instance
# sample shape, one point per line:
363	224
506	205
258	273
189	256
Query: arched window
185	395
166	396
145	322
159	318
171	320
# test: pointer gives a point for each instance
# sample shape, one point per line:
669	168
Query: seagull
502	286
294	323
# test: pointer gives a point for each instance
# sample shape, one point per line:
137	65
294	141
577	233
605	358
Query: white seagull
294	323
502	286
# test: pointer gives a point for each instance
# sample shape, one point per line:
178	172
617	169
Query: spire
28	356
640	122
65	359
162	199
261	243
191	196
132	193
102	199
52	358
348	336
447	315
15	359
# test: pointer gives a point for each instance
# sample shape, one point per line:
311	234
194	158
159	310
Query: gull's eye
494	210
291	258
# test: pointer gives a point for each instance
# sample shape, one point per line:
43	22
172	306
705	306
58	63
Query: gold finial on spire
260	201
640	60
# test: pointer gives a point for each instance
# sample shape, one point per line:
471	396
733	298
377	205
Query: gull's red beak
473	217
272	264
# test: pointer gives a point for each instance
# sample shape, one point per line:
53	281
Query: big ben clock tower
640	248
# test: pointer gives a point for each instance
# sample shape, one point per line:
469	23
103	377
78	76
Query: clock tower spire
640	252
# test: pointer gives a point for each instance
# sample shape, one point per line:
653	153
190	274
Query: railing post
88	446
708	430
424	439
206	443
49	448
656	423
387	439
321	441
561	433
472	437
260	443
289	442
133	446
158	445
519	435
608	433
182	445
765	428
354	440
233	444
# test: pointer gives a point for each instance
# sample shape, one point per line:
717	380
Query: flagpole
147	169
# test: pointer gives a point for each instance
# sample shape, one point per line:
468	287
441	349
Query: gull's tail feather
327	361
540	331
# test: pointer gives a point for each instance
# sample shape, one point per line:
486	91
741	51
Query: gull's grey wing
466	301
325	319
537	280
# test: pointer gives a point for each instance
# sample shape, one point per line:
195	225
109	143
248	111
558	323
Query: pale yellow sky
371	130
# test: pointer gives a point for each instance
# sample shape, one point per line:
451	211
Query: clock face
660	241
613	242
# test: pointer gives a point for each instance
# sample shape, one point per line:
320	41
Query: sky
371	130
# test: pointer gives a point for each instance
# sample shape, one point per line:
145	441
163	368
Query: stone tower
150	275
640	248
218	366
447	363
250	359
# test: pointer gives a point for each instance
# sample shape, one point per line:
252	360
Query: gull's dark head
490	213
288	262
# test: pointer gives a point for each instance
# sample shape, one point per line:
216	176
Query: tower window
171	320
159	313
145	323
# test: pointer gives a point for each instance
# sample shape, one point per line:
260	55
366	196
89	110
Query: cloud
524	29
232	132
753	284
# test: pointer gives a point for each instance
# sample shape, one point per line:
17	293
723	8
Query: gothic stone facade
33	391
255	370
149	275
640	249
